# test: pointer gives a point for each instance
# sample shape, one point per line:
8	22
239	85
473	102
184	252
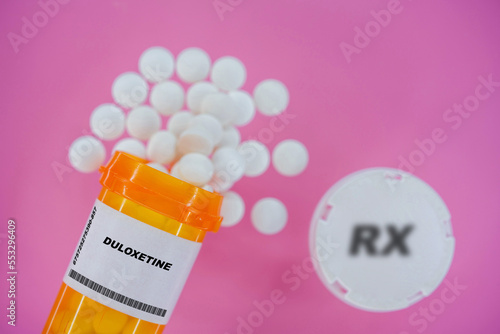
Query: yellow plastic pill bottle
135	253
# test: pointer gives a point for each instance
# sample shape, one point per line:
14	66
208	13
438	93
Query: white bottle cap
382	239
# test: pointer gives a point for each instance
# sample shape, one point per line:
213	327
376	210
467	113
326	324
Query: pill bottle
135	253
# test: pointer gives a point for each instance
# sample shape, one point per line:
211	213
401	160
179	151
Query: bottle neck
150	217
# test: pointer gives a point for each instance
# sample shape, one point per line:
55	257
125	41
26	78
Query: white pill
107	121
220	182
174	171
143	122
161	147
219	105
256	155
228	164
193	64
129	90
232	209
196	93
271	97
244	107
132	146
179	122
195	140
196	169
156	64
210	123
86	154
230	138
228	73
208	188
158	166
167	97
290	157
269	215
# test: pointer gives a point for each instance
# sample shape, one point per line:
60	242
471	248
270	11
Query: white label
130	266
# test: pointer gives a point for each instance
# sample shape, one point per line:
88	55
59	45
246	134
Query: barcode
115	295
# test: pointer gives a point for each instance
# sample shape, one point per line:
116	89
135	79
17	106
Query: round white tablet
156	64
290	157
143	122
167	97
230	138
179	122
129	90
196	169
132	146
244	107
158	166
107	121
196	93
208	188
271	97
269	215
228	73
382	239
195	139
162	147
256	155
228	164
174	171
232	209
219	105
86	154
210	123
221	182
193	64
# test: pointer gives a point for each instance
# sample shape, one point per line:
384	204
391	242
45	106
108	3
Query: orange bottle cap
133	179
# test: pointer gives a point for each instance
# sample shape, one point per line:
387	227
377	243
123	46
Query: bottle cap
382	239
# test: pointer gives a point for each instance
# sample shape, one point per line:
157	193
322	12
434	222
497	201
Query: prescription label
130	266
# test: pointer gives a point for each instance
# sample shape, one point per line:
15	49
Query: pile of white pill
201	143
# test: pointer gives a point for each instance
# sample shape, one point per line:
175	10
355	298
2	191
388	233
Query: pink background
355	115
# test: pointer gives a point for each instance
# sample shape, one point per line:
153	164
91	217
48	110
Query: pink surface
351	115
